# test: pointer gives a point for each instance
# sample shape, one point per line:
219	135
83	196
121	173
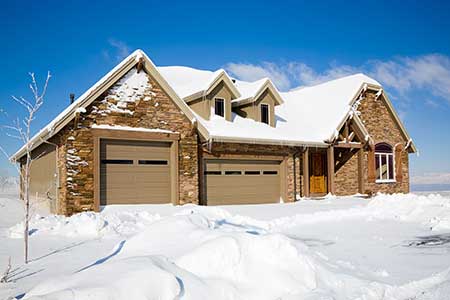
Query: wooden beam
348	145
351	136
361	171
305	160
330	169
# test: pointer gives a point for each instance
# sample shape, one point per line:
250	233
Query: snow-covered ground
389	247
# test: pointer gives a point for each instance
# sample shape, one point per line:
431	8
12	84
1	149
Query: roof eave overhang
225	139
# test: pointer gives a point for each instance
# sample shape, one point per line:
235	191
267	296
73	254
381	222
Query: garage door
133	172
242	182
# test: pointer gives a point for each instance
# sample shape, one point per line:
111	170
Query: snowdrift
209	253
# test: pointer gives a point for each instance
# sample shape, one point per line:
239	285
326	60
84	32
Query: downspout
295	178
295	158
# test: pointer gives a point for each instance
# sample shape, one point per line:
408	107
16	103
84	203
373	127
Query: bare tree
5	277
21	129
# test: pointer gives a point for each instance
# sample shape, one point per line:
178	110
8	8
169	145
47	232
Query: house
147	134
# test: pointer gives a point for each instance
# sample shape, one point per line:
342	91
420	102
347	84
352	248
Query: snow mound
432	210
87	224
209	253
188	257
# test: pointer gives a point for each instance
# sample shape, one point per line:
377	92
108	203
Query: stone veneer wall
346	178
382	127
152	109
249	151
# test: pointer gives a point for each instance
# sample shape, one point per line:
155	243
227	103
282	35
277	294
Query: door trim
323	158
129	135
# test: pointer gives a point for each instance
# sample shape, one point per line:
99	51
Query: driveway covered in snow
389	247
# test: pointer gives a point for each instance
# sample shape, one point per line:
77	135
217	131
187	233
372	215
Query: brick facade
382	127
154	109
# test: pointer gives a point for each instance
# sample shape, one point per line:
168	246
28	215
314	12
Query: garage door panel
134	172
254	182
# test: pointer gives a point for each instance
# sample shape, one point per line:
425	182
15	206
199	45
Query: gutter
213	138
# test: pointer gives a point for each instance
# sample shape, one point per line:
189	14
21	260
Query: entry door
317	178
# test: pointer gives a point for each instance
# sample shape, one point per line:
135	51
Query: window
153	162
213	173
252	172
270	172
219	107
265	113
384	162
233	172
117	161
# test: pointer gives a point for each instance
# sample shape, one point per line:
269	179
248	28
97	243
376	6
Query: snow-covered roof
318	110
187	81
190	83
305	116
249	89
308	115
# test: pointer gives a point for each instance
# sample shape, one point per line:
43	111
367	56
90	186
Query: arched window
384	162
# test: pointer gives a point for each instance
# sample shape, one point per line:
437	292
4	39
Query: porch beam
361	171
330	169
305	160
348	145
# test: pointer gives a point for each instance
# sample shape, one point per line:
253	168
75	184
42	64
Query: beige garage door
242	182
133	172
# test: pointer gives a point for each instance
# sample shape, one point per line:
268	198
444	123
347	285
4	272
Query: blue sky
406	47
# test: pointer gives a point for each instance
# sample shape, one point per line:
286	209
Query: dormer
258	101
207	93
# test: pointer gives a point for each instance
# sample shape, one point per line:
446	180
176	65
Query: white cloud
119	50
429	73
250	72
431	178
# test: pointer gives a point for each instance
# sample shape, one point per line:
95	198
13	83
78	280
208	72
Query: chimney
72	97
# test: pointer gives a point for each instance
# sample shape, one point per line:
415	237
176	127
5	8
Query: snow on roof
49	128
309	115
187	81
128	128
316	111
249	89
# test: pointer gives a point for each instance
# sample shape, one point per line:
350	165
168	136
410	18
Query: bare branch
4	278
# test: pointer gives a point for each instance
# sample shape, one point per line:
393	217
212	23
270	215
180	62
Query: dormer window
265	113
219	107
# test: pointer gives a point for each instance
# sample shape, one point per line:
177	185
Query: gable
381	120
139	59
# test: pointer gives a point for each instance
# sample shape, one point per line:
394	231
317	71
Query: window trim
268	113
378	164
223	102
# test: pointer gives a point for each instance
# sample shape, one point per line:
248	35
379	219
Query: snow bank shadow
64	249
310	242
106	258
436	240
223	223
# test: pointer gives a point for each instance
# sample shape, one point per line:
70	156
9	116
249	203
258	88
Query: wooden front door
317	179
